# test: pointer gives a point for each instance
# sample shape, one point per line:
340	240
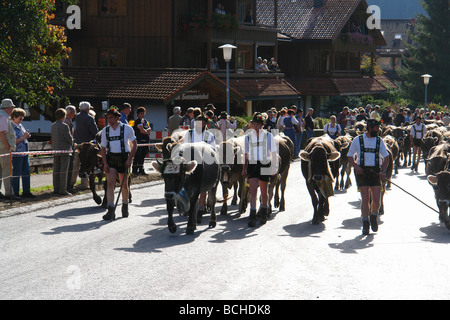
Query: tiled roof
261	88
300	20
139	84
342	86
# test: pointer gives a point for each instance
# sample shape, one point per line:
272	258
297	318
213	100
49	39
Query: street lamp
227	54
426	81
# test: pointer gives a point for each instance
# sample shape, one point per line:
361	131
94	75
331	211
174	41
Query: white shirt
369	157
196	137
115	145
415	131
332	131
252	142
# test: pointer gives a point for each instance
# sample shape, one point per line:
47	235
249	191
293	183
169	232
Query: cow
231	161
91	166
345	142
392	149
186	179
401	134
315	165
437	158
441	186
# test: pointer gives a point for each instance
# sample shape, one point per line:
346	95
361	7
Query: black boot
374	222
252	218
264	214
366	227
125	210
110	215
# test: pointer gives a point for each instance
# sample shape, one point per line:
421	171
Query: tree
31	51
429	54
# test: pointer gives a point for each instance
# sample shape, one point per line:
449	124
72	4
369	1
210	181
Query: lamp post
227	54
426	81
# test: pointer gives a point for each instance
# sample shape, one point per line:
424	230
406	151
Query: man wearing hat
7	144
85	131
175	120
418	131
118	149
372	159
199	133
260	164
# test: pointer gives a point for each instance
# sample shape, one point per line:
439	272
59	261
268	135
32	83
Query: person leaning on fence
142	132
71	113
7	144
118	149
61	141
21	164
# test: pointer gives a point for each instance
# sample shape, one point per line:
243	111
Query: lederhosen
416	142
254	168
371	175
117	160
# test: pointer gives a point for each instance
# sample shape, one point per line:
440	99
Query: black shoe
125	213
252	218
366	227
28	195
110	215
374	222
14	197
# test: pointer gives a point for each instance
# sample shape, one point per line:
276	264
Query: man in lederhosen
372	159
118	149
261	162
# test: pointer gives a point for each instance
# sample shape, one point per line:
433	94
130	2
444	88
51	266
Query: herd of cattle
198	168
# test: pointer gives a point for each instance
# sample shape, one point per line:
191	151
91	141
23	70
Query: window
113	7
109	58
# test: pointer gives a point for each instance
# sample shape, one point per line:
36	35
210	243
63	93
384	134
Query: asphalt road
63	250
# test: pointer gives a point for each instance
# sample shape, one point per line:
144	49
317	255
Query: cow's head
318	167
441	184
427	143
173	168
89	157
229	154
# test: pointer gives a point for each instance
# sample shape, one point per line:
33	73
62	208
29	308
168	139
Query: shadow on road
354	245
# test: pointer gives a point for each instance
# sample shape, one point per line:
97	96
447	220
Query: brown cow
91	166
316	169
441	186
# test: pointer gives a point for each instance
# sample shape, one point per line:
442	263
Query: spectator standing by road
125	112
342	118
309	124
21	164
418	131
175	120
332	129
142	131
85	131
61	140
7	144
71	113
298	132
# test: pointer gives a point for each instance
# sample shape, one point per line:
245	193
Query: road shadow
235	227
354	245
436	233
159	238
304	229
74	212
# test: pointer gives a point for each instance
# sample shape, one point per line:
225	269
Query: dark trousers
139	158
21	168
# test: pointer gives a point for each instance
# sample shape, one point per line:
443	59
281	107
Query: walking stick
125	176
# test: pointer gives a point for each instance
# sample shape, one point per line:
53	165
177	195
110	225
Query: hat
223	115
190	109
6	103
114	111
84	105
210	106
176	109
372	123
201	118
258	117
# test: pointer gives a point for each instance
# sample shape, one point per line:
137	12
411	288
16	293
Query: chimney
318	3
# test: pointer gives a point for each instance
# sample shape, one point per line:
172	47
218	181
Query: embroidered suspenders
120	137
370	150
